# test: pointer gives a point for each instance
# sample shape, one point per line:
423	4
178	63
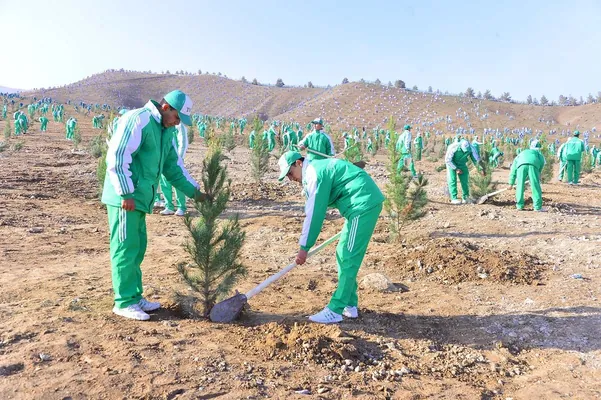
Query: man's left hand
301	257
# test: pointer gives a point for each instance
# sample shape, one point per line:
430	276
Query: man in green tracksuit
419	145
180	136
594	151
528	166
43	123
403	146
495	156
140	150
251	140
4	111
573	153
561	155
456	160
342	185
317	140
70	126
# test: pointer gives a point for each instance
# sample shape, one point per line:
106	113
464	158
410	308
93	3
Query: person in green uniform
43	123
403	146
4	111
180	136
495	156
476	145
527	166
317	140
140	150
251	139
456	160
342	185
561	156
419	145
594	152
573	153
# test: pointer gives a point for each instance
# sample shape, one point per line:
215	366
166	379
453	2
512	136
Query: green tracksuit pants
464	179
167	190
573	170
356	234
524	173
562	169
418	154
127	247
404	160
43	127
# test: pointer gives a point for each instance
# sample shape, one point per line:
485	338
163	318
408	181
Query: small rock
35	230
377	282
303	391
45	357
323	390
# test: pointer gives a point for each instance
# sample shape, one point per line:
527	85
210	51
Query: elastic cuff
305	248
127	196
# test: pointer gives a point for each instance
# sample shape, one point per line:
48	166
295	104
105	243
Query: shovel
229	309
482	199
361	164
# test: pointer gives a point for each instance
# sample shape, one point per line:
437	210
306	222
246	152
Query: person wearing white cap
456	158
318	141
140	150
528	165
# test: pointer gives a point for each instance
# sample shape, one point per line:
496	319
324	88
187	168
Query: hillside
343	106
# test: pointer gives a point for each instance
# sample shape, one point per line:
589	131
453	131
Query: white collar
154	111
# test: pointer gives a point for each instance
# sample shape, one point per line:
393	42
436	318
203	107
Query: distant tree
279	82
167	72
562	100
553	103
529	99
488	95
243	80
581	100
429	89
255	82
344	81
378	82
469	92
310	85
598	97
399	84
543	100
218	73
389	84
362	80
535	101
572	101
590	99
479	95
162	71
199	71
505	97
414	87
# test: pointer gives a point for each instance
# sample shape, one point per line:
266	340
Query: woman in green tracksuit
528	166
342	185
140	150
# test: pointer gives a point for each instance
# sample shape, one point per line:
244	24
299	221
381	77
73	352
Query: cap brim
284	173
185	119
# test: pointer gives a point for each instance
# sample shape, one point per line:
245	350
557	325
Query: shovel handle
286	269
319	153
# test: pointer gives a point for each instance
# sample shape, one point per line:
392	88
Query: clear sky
525	47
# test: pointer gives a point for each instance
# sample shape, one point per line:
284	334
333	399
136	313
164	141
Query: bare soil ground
491	312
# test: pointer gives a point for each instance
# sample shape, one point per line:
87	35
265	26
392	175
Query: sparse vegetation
259	158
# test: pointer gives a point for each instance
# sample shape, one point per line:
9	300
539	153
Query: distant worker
318	141
456	158
403	146
527	166
573	151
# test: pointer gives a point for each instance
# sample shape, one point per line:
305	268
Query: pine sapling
481	184
259	158
228	141
7	129
214	245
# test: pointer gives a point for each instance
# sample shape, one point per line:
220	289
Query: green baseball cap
407	127
285	161
317	121
182	103
576	133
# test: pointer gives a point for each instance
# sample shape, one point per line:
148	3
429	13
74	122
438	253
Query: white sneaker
158	204
350	312
148	306
326	316
180	212
455	201
132	312
167	211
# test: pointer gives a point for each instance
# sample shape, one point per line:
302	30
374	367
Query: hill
4	89
343	106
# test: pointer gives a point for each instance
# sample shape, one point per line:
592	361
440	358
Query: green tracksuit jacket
342	185
457	156
318	141
528	165
573	150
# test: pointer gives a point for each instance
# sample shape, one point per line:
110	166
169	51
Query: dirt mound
452	261
307	343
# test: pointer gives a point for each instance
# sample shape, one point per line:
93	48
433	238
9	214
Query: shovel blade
229	309
483	199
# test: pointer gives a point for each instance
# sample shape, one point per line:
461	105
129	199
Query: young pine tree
481	185
406	199
353	153
7	129
76	138
228	141
259	158
213	245
547	173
